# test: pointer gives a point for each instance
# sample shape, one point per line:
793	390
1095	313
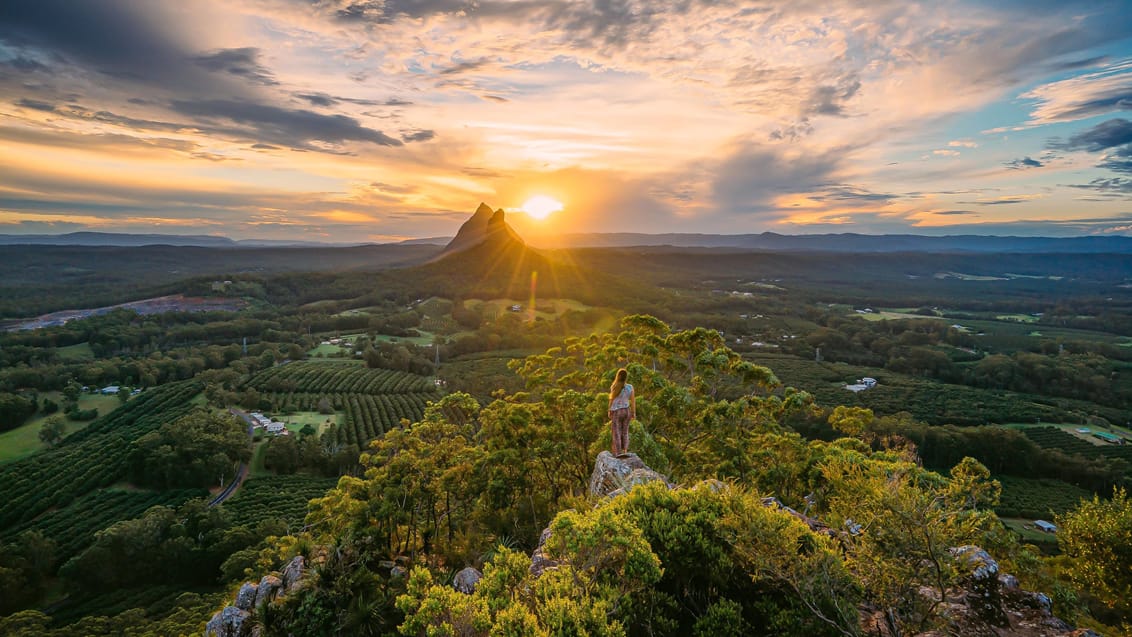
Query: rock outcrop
230	622
234	620
466	580
614	475
485	226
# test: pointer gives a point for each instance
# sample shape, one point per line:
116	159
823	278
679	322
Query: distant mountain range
472	231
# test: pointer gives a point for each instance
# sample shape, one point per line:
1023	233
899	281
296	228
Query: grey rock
540	562
293	572
466	580
613	474
245	599
1042	601
229	622
269	588
1008	582
981	566
398	571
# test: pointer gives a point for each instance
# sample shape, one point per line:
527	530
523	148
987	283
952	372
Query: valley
463	394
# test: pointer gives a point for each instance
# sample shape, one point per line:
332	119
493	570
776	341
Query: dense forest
436	421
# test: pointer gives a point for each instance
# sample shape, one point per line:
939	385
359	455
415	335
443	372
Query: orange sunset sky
380	120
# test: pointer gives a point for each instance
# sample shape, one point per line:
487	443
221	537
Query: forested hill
472	486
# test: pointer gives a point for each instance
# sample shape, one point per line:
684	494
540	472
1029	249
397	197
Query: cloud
295	128
1025	162
34	104
948	213
418	136
242	62
1083	96
1114	132
1115	185
751	177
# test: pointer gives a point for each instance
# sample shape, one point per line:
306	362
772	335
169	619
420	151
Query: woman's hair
618	382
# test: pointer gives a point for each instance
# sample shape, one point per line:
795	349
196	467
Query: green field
885	315
77	352
1029	534
24	440
299	419
424	339
544	308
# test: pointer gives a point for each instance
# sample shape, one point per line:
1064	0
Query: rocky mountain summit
988	603
486	226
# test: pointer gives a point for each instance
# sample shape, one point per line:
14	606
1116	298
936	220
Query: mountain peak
485	226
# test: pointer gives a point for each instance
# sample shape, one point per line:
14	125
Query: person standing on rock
622	409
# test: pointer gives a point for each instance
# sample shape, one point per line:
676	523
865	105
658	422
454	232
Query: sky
382	120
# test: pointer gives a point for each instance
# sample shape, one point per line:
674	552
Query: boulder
983	589
540	562
245	599
293	572
269	588
466	580
614	475
230	622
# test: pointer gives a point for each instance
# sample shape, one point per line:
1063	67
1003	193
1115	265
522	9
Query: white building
1048	527
274	427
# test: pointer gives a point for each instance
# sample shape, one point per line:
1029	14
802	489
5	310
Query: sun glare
541	206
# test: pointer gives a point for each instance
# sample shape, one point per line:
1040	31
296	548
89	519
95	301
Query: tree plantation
354	443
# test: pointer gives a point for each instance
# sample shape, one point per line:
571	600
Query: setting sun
541	206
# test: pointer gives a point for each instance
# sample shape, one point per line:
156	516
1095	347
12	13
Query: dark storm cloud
953	212
1025	162
242	62
295	128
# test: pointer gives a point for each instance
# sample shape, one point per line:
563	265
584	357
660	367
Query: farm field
24	440
1037	498
1031	535
369	401
89	459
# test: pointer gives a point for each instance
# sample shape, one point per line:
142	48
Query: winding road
242	471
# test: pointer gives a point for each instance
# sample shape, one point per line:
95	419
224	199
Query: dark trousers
620	429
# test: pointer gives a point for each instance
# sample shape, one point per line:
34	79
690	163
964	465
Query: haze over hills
766	241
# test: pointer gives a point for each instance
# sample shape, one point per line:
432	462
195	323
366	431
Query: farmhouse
274	427
1048	527
109	389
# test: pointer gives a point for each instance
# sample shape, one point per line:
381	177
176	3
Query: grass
327	350
23	441
77	352
544	308
257	468
885	315
425	338
1017	318
1025	528
297	420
